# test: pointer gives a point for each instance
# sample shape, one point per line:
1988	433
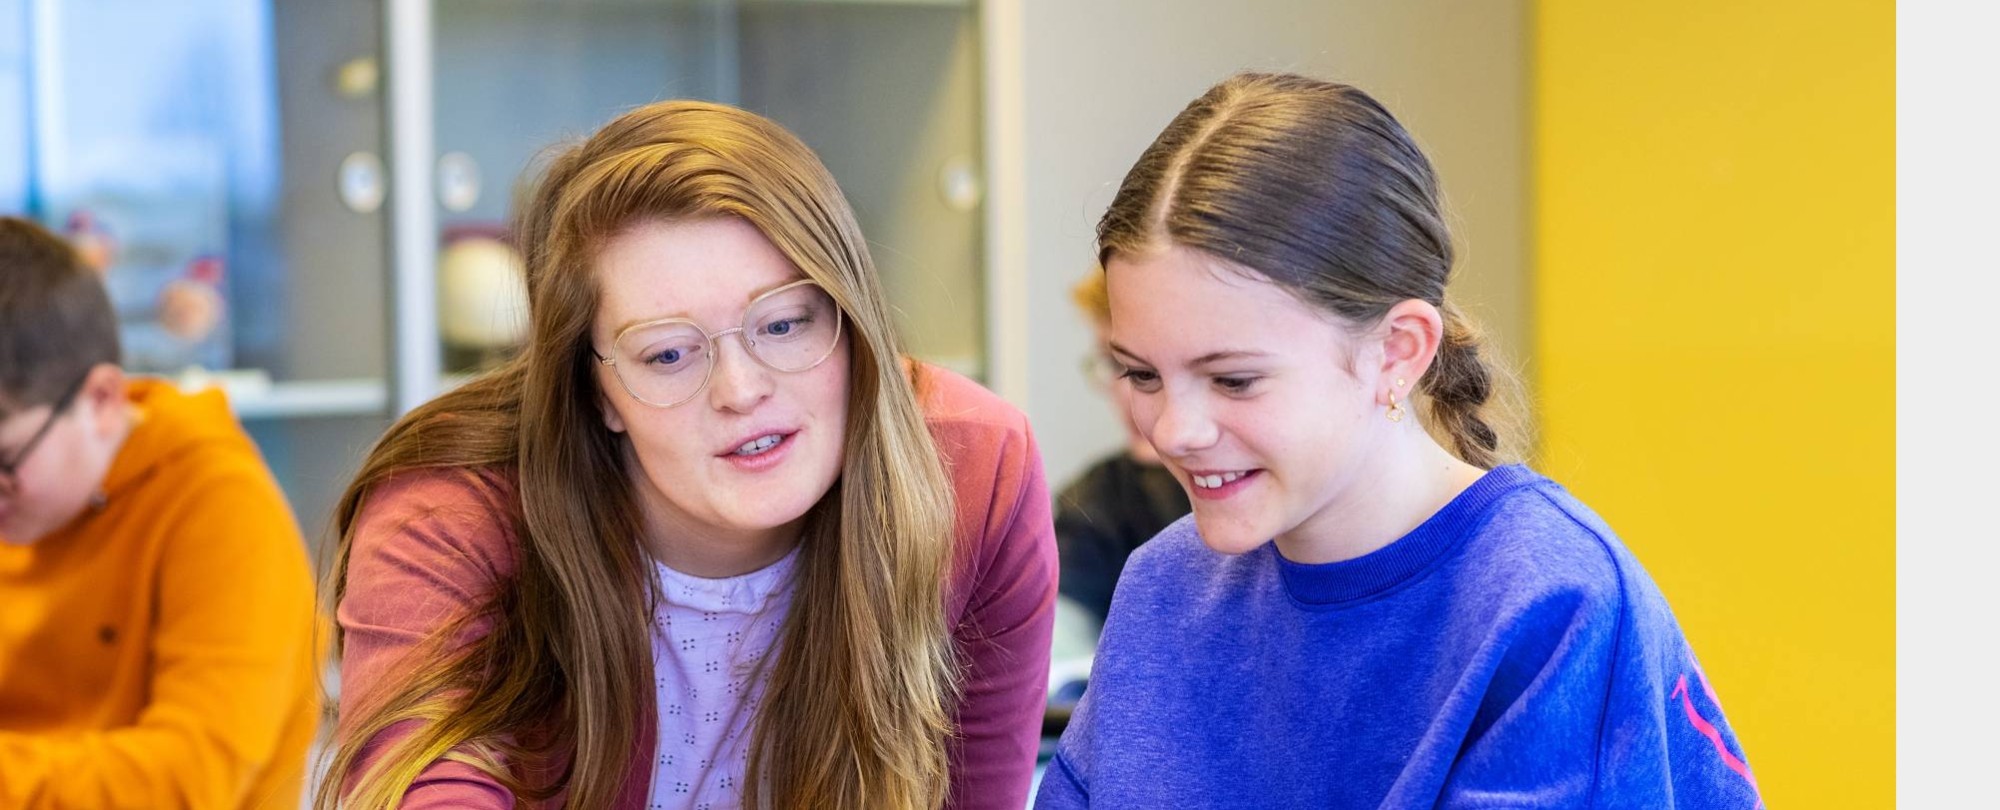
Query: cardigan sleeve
426	552
1007	584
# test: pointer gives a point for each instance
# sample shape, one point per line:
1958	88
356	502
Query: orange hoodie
158	650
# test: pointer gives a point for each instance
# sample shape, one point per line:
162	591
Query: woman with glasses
710	540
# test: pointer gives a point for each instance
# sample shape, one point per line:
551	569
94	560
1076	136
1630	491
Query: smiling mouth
1216	480
759	446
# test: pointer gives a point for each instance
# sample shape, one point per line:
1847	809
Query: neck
130	417
1390	493
134	415
706	552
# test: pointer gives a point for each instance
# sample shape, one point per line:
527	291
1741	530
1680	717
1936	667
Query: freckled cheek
668	464
668	442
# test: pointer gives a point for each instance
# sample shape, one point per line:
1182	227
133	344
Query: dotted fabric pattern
710	638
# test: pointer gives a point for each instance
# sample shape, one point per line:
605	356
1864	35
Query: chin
10	536
1230	538
753	515
771	507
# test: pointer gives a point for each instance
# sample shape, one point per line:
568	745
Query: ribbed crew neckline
1340	583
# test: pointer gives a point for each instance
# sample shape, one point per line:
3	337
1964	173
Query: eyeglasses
667	362
13	465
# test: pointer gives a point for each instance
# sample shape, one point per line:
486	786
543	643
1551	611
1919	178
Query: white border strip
1946	604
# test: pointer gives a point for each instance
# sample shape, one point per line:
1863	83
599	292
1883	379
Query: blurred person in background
1124	498
1114	506
156	605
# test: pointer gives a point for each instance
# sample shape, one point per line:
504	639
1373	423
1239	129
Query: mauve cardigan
431	546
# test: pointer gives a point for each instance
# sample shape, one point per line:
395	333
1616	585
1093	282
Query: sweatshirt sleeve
232	653
1532	739
1004	635
425	553
1666	741
1597	702
1061	789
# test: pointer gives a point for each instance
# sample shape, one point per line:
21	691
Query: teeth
1213	481
758	445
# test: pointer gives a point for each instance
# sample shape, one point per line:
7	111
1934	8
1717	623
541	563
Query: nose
739	382
1182	426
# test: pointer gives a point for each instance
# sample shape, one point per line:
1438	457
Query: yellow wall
1714	345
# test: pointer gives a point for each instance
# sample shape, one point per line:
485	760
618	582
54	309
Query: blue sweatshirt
1509	652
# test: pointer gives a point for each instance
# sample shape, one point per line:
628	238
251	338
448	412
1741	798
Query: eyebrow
1211	357
685	316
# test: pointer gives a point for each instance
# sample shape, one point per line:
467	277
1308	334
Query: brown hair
858	709
56	321
1317	188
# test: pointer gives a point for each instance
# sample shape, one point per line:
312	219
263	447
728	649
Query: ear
613	421
1411	333
104	395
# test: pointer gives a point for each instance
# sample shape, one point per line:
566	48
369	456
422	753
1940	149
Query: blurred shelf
659	3
254	397
308	398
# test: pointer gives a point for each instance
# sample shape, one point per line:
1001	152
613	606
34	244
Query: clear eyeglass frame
1101	369
743	333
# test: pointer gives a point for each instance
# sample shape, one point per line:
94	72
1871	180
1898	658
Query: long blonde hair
859	707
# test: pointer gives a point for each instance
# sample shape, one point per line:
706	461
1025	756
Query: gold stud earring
1395	409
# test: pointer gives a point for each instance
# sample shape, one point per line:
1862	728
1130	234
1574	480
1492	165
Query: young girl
709	541
1356	615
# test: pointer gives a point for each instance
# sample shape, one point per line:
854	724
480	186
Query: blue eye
786	327
664	350
674	359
